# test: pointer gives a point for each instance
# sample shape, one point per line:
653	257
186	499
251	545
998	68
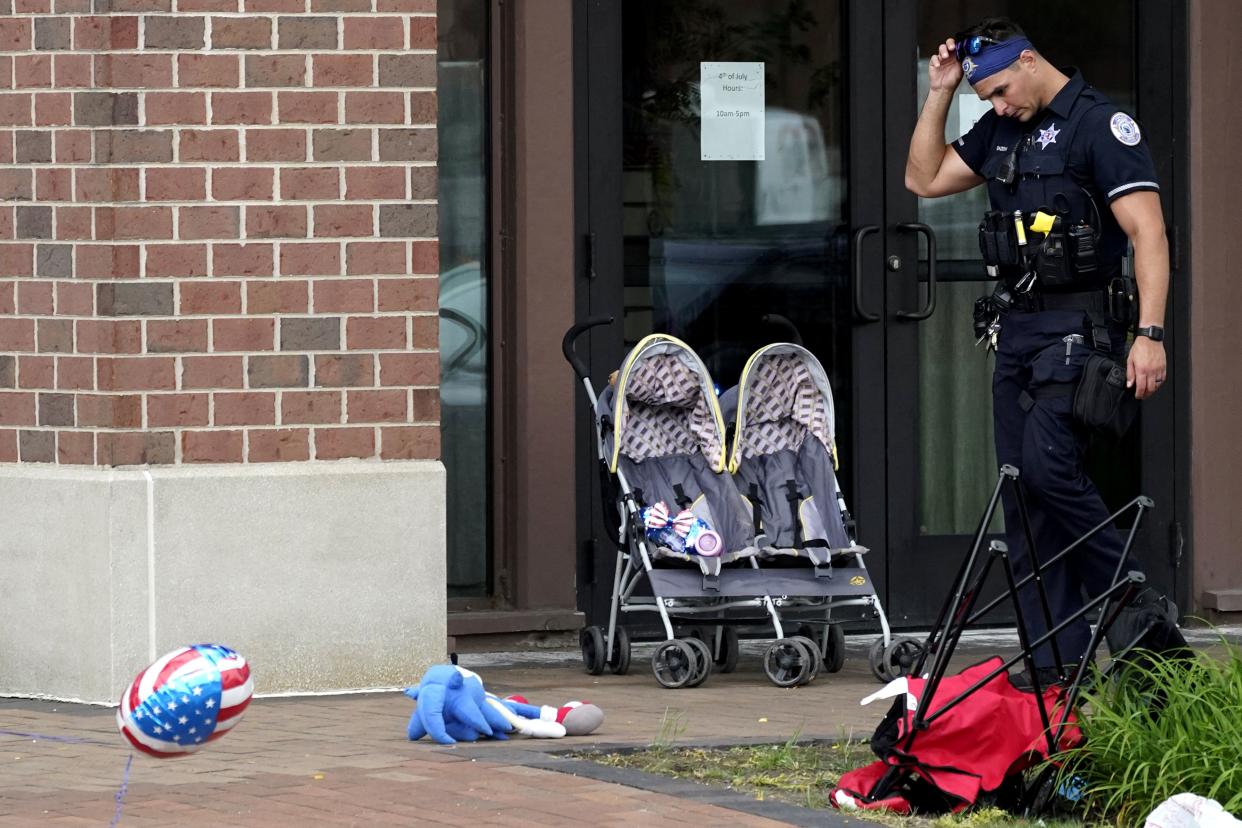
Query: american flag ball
185	700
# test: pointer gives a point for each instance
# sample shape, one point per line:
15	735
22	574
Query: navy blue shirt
1101	148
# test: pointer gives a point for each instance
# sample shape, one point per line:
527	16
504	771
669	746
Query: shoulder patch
1124	129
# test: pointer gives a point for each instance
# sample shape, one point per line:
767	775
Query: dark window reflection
462	122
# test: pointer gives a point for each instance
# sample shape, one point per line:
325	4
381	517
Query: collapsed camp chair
953	740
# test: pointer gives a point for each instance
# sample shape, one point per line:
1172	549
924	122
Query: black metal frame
958	613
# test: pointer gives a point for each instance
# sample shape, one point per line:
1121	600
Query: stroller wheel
787	662
593	655
812	649
726	660
875	657
834	655
900	656
619	658
674	664
702	661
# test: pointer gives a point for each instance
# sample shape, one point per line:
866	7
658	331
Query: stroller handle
571	335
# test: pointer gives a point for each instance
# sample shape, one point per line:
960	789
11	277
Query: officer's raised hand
944	70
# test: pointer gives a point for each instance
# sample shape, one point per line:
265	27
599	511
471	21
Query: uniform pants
1040	437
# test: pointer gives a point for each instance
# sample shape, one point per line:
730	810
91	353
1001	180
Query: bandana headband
993	58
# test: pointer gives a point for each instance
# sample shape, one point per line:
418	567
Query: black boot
1048	677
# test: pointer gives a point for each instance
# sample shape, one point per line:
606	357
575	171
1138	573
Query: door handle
929	308
860	234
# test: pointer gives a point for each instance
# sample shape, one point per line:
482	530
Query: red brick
373	32
310	259
35	298
17	334
73	223
176	260
17	259
75	448
54	184
195	70
241	107
207	5
423	109
75	373
136	373
340	443
307	107
108	183
7	303
141	71
53	109
409	295
375	182
176	410
275	5
243	334
124	30
242	259
307	183
241	183
75	299
387	406
426	332
209	145
141	222
6	71
247	408
176	108
74	146
241	32
17	408
342	70
344	296
179	183
275	145
209	222
8	446
212	372
6	224
332	370
92	33
101	336
15	109
275	222
298	407
176	335
16	35
36	371
344	220
375	332
72	71
277	296
107	261
275	70
374	108
279	445
425	257
35	71
135	448
210	297
425	405
410	369
211	447
422	33
410	443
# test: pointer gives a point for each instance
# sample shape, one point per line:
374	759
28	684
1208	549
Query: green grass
1133	760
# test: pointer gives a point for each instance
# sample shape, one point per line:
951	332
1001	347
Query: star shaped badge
1048	136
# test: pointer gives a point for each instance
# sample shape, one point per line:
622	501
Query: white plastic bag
1187	810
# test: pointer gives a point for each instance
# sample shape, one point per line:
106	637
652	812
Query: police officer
1051	143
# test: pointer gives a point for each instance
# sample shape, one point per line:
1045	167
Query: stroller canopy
664	404
783	398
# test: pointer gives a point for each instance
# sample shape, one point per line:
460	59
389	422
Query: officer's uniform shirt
1099	147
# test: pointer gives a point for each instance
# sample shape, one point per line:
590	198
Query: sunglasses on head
972	45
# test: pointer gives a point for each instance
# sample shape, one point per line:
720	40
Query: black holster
1102	401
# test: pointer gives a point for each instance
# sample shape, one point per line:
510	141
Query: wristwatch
1153	332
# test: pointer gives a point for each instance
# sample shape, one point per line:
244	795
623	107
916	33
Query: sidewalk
344	760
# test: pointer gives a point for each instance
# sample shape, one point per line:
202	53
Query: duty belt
1092	301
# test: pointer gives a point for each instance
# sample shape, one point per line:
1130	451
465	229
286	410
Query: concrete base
325	577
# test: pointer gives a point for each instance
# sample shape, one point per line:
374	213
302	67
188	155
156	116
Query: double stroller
720	528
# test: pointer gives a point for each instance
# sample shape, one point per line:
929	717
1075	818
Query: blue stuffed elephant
453	707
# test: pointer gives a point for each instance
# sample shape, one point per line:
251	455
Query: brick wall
217	231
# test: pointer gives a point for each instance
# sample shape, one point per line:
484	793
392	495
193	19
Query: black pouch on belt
1102	401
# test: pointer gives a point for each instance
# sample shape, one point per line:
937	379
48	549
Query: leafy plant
1163	726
